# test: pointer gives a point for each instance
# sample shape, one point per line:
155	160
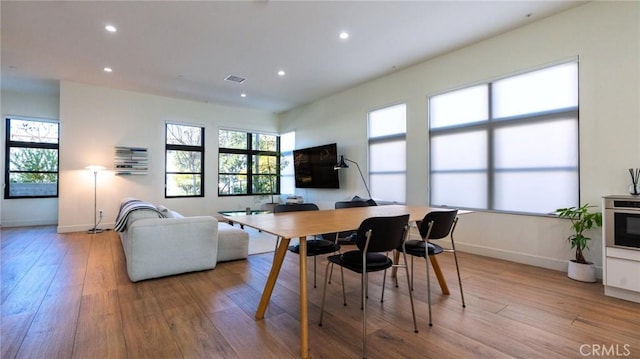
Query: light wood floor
68	296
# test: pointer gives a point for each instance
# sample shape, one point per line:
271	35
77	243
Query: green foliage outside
31	164
233	167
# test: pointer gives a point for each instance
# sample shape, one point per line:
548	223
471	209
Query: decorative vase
582	272
634	189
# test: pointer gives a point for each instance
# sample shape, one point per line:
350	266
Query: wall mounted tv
313	167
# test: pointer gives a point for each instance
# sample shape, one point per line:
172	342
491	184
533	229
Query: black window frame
24	144
250	152
188	148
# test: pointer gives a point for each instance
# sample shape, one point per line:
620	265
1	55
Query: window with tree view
184	161
31	160
248	163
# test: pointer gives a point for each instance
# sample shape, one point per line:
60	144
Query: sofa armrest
156	247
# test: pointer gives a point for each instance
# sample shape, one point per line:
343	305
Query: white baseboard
29	223
538	261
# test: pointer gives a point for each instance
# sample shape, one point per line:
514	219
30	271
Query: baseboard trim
537	261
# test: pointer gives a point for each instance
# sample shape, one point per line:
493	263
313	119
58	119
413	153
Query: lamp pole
342	164
95	170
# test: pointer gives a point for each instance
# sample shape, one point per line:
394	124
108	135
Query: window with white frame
184	168
388	153
287	177
509	145
31	162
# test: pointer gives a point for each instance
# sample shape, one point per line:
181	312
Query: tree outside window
248	163
184	161
31	158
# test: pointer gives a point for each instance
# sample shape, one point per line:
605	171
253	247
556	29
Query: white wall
94	120
32	211
605	36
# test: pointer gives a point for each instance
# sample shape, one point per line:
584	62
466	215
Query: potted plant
582	220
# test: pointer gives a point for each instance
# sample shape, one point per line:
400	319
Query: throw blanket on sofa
128	206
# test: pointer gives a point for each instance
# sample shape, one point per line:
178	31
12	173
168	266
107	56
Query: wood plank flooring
68	296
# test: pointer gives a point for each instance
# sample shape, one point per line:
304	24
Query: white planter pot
582	272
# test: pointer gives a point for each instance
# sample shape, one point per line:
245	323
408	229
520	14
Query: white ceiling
185	49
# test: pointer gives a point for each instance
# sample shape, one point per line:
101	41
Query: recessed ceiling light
344	35
281	73
111	28
108	69
243	95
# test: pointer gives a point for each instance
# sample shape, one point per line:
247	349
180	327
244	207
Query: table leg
436	269
304	317
273	276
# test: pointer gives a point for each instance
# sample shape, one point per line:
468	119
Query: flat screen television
313	167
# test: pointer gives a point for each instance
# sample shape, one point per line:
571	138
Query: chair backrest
351	204
295	207
438	224
387	233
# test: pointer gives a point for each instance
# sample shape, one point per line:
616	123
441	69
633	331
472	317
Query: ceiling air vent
236	79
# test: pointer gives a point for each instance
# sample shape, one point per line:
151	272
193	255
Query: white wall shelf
131	161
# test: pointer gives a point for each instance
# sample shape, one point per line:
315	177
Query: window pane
33	131
388	121
232	184
389	187
543	90
535	192
33	184
184	161
263	184
264	164
459	107
462	151
184	135
232	139
388	156
548	144
468	190
183	184
33	159
231	163
264	142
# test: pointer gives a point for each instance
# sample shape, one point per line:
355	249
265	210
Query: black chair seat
416	248
352	260
316	247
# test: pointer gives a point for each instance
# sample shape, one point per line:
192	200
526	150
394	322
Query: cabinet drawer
622	273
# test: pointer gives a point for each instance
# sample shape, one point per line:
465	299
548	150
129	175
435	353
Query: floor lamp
95	170
342	164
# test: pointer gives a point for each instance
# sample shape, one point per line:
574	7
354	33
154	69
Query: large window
509	145
184	167
31	158
248	163
388	153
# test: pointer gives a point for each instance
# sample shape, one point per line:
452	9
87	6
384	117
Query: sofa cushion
233	242
140	214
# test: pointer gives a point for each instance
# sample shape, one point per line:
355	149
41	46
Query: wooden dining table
303	224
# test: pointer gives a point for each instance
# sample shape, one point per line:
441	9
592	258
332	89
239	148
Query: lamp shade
95	168
341	164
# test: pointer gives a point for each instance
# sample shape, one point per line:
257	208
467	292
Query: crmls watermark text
605	350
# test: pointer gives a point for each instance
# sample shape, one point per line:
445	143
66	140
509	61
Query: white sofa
157	247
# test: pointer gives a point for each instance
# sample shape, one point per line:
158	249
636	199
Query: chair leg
314	271
411	285
324	292
344	295
426	258
363	285
384	281
455	257
413	310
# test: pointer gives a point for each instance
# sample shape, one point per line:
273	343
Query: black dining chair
434	226
315	246
346	237
376	238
